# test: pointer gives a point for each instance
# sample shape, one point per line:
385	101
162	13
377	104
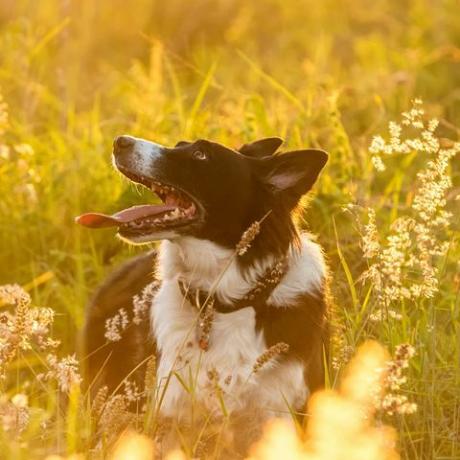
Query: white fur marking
306	273
145	155
234	342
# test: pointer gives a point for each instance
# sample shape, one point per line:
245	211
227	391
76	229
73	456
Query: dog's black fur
235	190
108	363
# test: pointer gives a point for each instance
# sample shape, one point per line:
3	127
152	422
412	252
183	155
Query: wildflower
414	242
13	294
370	239
143	302
393	401
14	414
64	372
395	130
404	352
22	328
378	163
377	145
343	356
131	391
213	377
116	325
341	352
269	355
383	314
433	124
398	404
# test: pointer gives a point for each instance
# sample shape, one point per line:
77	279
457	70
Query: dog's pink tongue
98	220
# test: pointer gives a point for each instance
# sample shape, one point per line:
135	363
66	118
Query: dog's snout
123	143
132	153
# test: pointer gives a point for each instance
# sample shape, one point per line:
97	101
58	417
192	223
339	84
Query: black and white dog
272	291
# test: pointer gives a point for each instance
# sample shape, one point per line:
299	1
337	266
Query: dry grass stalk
99	401
249	236
205	325
269	355
150	375
115	417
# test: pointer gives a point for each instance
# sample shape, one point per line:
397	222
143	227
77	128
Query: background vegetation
327	74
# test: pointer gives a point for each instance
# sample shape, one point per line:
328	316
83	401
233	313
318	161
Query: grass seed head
269	355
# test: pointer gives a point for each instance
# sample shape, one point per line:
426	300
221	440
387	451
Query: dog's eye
199	155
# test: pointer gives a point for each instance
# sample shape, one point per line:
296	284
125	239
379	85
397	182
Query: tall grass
327	74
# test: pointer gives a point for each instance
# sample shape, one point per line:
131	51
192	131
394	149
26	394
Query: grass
327	74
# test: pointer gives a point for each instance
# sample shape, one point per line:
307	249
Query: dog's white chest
222	378
223	371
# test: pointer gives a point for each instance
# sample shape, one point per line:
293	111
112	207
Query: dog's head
207	190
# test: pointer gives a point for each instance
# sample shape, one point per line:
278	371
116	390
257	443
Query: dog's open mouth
178	209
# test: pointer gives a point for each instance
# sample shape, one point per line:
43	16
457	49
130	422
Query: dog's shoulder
98	355
122	284
298	308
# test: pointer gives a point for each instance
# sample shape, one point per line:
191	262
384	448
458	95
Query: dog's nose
123	143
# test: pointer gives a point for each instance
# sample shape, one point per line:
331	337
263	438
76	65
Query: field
329	74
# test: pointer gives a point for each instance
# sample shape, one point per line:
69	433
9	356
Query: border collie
254	319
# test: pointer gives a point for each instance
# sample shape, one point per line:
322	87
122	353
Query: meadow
330	74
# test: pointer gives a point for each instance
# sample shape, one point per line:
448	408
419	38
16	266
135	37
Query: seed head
269	355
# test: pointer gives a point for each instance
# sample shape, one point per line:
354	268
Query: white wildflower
414	242
378	163
116	325
64	372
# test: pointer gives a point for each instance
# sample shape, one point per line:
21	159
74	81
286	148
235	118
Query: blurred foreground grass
324	74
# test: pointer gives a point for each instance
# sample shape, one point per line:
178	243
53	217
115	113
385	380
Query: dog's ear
293	174
261	148
182	144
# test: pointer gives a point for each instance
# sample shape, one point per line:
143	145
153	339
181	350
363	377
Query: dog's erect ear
261	148
182	144
293	174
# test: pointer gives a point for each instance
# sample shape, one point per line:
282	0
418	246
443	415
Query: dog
237	296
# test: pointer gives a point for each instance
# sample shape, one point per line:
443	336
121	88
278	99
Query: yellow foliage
341	424
133	446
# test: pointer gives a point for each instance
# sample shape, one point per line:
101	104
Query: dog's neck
205	265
